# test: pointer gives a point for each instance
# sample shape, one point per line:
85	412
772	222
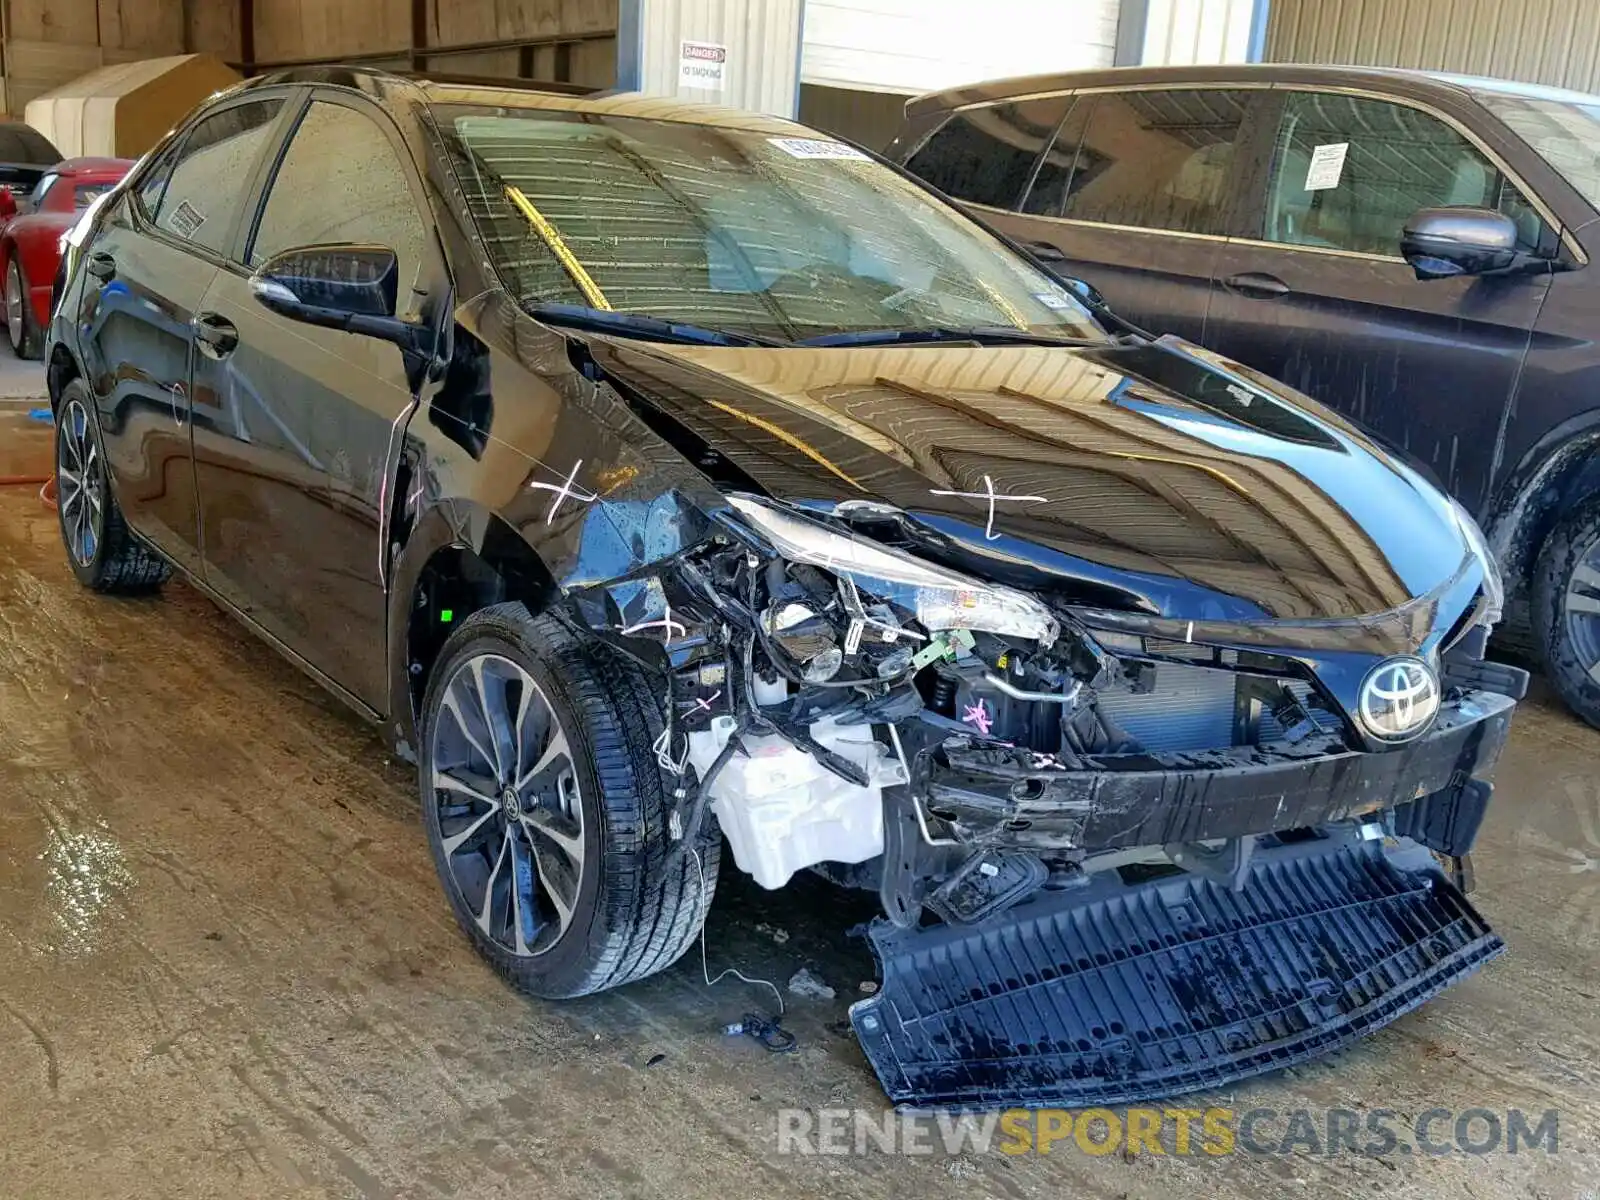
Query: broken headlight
1494	590
940	599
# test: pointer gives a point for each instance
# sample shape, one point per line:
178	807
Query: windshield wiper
601	320
982	334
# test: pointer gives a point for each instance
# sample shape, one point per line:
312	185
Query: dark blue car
1412	249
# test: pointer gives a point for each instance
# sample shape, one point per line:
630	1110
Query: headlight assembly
1493	587
940	599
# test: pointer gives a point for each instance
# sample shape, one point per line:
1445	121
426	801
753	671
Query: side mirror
1085	292
8	204
1442	243
353	288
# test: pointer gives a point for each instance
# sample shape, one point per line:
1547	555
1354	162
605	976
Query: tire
632	905
103	552
1566	608
21	329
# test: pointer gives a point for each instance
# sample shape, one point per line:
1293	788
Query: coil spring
944	695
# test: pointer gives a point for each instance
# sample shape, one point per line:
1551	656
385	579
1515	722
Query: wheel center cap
510	804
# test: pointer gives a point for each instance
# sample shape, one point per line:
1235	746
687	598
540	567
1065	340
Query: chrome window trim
1366	93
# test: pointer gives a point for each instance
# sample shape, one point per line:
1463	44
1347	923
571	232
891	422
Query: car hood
1148	478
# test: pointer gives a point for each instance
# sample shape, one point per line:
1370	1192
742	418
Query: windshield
1565	133
733	229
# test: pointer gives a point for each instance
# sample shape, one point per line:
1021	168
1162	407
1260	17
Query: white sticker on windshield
1327	164
1053	300
815	148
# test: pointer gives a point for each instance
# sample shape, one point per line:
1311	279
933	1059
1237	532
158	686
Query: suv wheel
545	813
1566	608
103	552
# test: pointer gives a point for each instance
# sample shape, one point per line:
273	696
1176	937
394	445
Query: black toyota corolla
665	478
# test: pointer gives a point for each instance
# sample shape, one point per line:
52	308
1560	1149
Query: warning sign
702	65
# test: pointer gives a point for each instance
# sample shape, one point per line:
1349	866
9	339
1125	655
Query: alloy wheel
80	484
508	804
14	303
1580	608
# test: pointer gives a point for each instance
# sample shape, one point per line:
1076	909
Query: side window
986	155
197	196
342	181
1347	173
1067	164
35	199
1161	159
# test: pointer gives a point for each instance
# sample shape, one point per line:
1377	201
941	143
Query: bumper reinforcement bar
1118	994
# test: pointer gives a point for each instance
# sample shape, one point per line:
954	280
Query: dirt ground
226	969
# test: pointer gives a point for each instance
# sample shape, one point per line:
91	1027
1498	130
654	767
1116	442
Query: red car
30	240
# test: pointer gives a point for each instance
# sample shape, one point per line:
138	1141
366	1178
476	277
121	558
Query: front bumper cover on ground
1003	796
1122	994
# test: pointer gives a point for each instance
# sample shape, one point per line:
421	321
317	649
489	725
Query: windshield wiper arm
971	333
601	320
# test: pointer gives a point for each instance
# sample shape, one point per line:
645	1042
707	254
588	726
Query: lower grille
1133	993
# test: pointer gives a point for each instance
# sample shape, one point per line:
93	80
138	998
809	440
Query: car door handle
1256	283
1045	251
102	266
216	335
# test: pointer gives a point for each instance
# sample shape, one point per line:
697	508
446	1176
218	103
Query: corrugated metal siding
1181	32
924	45
1541	41
762	37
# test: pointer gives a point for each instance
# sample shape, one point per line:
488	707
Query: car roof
1400	80
443	89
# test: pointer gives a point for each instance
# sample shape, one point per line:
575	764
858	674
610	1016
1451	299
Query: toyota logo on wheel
1399	699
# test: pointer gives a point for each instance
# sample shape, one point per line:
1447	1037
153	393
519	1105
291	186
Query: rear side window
1348	173
195	192
341	180
1068	163
987	155
1162	159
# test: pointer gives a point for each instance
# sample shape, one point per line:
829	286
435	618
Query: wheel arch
1558	473
61	368
458	558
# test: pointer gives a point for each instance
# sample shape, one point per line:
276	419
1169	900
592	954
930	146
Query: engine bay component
782	810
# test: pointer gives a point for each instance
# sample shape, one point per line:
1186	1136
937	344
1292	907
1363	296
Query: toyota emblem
1399	699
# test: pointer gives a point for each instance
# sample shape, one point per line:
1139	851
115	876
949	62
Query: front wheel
544	809
1566	608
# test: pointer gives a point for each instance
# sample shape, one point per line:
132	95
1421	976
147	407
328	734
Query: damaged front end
1119	857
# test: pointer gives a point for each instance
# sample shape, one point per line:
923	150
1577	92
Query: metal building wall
1540	41
1180	32
761	39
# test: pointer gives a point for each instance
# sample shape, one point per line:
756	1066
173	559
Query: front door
1135	195
295	424
1323	301
146	275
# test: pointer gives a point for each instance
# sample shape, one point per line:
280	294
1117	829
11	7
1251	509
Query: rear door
1319	296
295	424
147	272
1133	193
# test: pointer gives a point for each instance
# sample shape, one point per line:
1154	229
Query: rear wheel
103	552
21	330
1566	608
544	809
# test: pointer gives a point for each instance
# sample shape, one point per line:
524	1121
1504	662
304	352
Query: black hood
1131	477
